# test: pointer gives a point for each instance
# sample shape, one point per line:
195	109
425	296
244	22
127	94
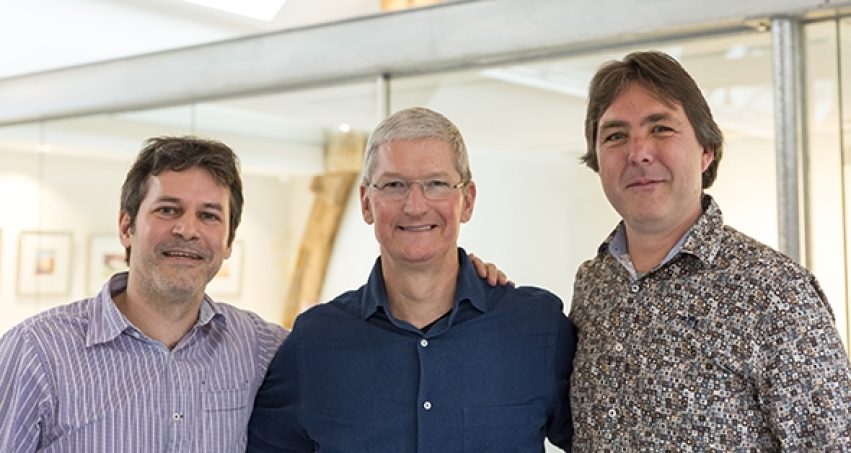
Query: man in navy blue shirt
426	357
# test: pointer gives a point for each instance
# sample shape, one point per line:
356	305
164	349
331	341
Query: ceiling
281	133
62	33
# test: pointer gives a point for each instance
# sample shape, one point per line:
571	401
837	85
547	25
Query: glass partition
539	212
60	184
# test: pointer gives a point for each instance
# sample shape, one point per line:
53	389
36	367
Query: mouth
183	254
642	182
417	228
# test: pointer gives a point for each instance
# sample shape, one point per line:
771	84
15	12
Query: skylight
255	9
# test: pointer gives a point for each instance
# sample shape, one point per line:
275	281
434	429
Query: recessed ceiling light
255	9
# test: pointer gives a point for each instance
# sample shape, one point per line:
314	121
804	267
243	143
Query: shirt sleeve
24	386
275	424
560	426
806	389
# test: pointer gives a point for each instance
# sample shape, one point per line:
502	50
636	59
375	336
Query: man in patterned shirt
692	336
151	364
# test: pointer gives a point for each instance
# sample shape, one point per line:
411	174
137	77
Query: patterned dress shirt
81	378
728	345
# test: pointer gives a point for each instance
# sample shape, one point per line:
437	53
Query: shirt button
176	416
634	288
423	342
618	347
613	413
427	405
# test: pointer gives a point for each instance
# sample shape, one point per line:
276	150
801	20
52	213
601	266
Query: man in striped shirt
151	364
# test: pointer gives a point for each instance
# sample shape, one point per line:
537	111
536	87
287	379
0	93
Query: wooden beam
343	159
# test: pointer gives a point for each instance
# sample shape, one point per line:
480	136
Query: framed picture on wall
106	257
228	282
44	263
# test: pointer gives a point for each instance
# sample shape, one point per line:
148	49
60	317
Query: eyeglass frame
409	184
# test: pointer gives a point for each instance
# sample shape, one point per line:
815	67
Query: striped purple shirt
81	378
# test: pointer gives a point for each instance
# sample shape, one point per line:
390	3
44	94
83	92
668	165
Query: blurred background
295	87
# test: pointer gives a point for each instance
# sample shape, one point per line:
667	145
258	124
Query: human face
180	234
651	163
416	229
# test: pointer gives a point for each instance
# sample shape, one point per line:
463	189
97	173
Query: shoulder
46	337
757	265
244	322
526	303
344	309
67	321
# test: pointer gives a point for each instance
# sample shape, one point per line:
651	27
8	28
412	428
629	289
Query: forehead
191	185
636	99
414	156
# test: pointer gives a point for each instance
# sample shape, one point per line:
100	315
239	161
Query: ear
706	158
228	251
125	228
469	201
365	208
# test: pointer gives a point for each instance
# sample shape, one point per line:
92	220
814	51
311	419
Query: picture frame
106	257
44	263
228	281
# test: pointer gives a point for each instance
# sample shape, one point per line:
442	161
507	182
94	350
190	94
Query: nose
185	227
415	200
641	150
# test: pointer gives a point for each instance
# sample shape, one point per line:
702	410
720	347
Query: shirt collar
106	322
701	240
468	287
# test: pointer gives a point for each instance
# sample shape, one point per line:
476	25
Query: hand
489	271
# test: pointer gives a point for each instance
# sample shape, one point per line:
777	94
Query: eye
167	210
209	216
661	129
614	136
393	185
437	184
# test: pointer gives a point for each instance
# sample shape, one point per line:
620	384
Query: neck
647	247
162	318
420	295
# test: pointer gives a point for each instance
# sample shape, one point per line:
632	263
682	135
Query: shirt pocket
496	429
225	416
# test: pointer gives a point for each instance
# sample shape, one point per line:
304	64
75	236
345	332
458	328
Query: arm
25	400
275	424
560	425
806	389
489	271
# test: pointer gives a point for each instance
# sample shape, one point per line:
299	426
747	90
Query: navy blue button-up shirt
492	376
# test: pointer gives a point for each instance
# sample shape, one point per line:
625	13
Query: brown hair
669	81
177	154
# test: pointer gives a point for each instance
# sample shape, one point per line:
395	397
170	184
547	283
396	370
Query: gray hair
417	123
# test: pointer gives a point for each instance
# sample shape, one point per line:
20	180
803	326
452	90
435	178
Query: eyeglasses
433	189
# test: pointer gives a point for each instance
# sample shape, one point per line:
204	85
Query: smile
182	254
417	228
643	183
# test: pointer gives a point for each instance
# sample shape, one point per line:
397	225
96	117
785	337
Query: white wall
537	216
81	196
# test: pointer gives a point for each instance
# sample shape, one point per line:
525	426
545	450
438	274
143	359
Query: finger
481	267
502	279
493	274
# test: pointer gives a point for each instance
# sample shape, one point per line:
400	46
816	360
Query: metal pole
790	132
382	85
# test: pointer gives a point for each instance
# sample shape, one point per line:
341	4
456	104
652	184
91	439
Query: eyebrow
401	176
206	205
649	119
